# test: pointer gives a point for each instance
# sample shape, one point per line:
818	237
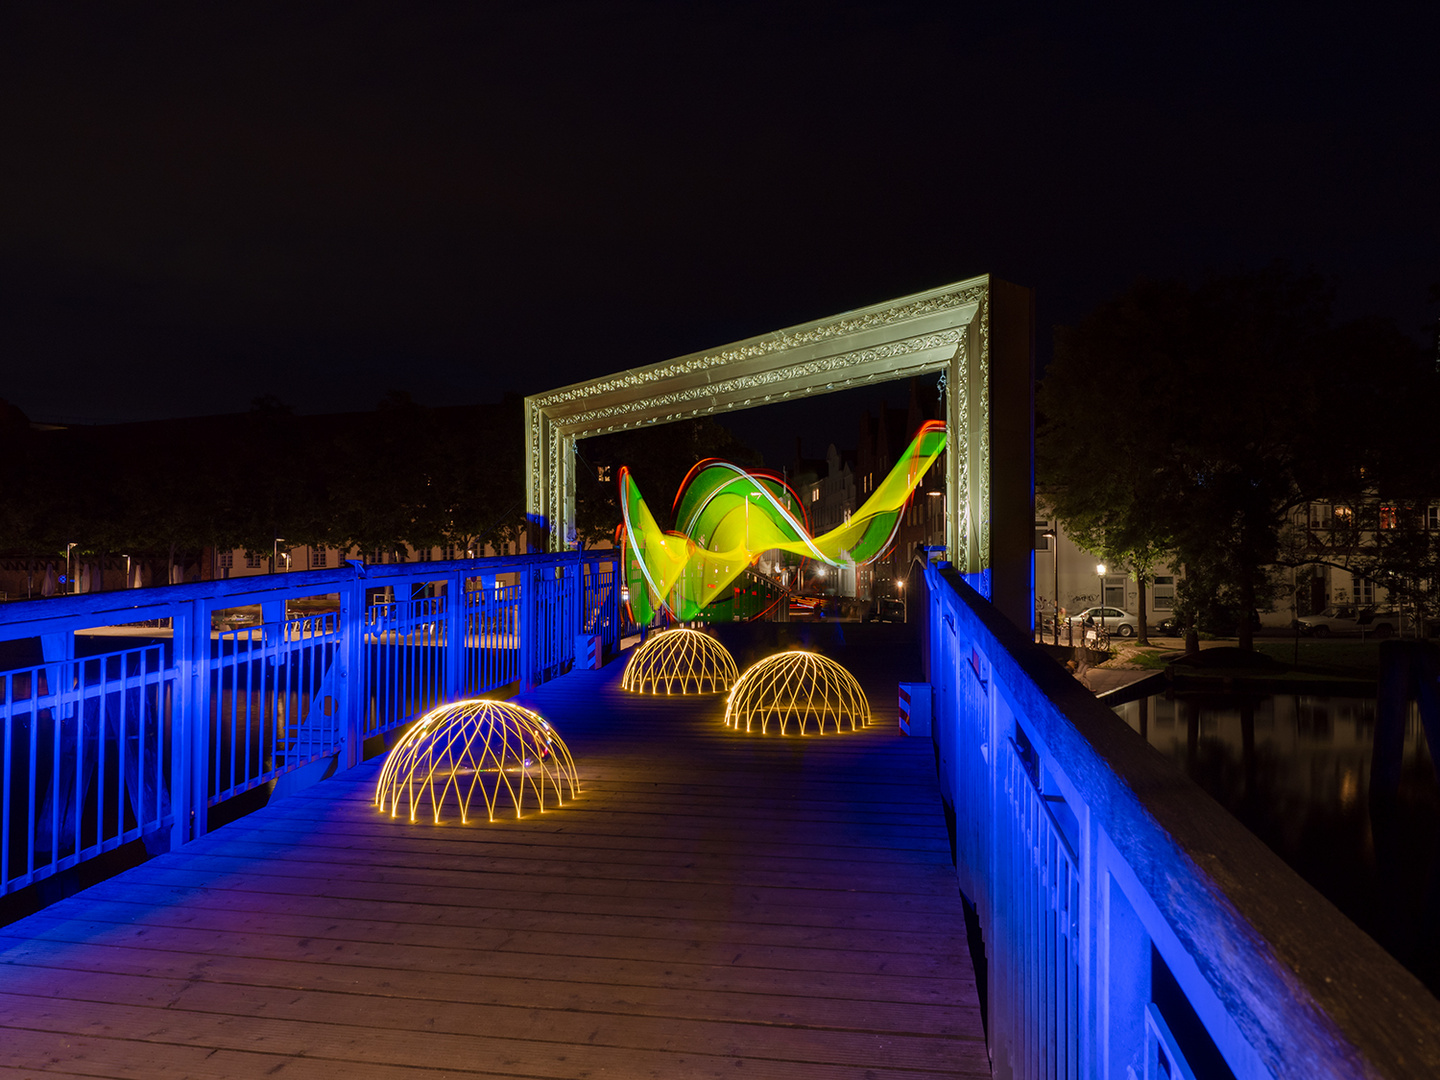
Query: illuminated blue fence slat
137	743
85	749
1132	928
1037	866
492	644
273	707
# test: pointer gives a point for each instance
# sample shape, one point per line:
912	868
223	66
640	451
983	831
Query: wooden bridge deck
712	905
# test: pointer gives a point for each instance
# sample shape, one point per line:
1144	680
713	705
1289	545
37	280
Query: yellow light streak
491	748
797	688
680	661
727	518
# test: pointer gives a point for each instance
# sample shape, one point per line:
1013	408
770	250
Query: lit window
1389	518
1343	516
1164	593
1364	592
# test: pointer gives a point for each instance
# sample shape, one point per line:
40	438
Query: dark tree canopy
1186	424
401	474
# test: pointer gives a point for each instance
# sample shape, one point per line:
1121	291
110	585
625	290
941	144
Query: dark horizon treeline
165	491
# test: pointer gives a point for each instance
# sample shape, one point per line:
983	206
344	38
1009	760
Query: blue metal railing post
481	607
189	717
351	678
613	610
529	580
273	614
455	612
574	609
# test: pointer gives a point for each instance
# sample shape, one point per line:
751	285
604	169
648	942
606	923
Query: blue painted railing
140	742
1132	928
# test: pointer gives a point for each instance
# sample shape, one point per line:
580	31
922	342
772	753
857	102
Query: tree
1105	481
1253	404
1378	527
167	490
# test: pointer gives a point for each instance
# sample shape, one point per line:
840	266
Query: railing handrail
133	605
1311	993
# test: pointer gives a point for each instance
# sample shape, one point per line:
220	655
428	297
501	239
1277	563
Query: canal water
1295	769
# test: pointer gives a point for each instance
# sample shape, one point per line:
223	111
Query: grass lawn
1155	659
1352	657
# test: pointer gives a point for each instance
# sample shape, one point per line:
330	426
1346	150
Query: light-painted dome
680	662
797	691
506	755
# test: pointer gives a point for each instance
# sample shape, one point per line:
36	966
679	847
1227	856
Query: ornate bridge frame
979	332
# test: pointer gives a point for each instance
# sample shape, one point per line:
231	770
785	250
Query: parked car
1117	621
1349	620
232	618
1170	626
891	611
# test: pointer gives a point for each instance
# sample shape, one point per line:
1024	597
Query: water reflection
1295	769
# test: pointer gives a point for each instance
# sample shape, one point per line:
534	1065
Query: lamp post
1055	558
275	556
1100	571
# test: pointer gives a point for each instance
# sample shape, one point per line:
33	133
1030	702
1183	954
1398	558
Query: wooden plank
186	1006
806	926
740	806
380	835
675	899
659	836
534	874
520	857
152	1030
869	1011
455	953
365	925
316	969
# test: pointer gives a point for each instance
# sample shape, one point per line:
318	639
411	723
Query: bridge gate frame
978	332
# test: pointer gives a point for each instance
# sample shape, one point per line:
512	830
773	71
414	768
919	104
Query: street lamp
275	556
1055	558
1100	570
71	582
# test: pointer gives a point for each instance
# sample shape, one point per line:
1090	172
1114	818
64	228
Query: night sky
202	204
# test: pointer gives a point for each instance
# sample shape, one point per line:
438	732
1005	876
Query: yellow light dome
508	755
680	662
800	689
